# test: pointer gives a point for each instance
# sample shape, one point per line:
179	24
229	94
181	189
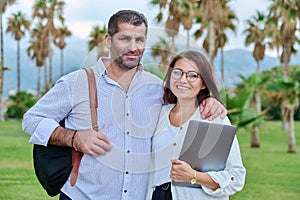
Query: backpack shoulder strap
93	96
76	155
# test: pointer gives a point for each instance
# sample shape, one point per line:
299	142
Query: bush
20	103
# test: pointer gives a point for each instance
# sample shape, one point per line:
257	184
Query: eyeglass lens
190	75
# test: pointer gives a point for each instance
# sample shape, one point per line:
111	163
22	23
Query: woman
189	80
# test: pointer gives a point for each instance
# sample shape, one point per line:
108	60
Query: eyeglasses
191	76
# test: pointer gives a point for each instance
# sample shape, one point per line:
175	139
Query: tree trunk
255	138
45	78
187	39
173	42
286	63
39	82
1	69
284	116
211	41
255	143
255	129
222	65
291	132
50	70
61	62
18	67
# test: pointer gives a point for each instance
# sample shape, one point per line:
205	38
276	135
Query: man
116	159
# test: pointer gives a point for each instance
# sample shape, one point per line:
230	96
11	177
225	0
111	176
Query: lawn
272	173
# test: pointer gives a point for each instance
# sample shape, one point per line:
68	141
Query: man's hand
211	108
91	142
88	141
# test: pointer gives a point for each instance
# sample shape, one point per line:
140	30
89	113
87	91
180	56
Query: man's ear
107	38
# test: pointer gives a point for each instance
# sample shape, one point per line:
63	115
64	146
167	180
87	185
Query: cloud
81	15
82	29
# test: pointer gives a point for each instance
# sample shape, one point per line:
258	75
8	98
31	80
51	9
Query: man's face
127	45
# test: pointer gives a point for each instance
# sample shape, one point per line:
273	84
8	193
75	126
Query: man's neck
122	76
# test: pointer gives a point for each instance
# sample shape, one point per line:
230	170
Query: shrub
20	103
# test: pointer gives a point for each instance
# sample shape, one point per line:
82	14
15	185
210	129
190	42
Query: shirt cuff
43	132
223	179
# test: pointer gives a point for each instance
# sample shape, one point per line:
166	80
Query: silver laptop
207	145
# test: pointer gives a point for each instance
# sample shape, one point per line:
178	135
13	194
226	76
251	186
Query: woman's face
185	81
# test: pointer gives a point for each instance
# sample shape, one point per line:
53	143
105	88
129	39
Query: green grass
17	178
272	173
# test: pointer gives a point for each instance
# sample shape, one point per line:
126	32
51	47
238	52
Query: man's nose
132	45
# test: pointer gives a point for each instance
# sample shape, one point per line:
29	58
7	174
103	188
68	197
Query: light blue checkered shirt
127	118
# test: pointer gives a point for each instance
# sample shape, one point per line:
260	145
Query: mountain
238	61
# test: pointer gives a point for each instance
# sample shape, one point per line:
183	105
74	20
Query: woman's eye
177	72
193	75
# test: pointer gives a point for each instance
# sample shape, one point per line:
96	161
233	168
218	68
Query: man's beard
122	62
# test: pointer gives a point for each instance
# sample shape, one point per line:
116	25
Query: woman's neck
182	112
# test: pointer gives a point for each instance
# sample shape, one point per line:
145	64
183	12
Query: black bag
53	165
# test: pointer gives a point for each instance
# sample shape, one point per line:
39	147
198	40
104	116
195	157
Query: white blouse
166	145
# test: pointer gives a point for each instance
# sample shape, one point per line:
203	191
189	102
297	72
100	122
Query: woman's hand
181	171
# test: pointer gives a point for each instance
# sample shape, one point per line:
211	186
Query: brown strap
93	97
76	155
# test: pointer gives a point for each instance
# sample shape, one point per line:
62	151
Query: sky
82	15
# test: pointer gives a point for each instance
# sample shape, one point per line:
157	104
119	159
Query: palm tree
17	25
163	50
46	11
173	21
286	91
227	21
3	5
32	53
238	103
211	13
284	18
285	14
256	33
187	10
59	40
38	50
97	37
258	85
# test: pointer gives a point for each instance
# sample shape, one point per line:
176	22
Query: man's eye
125	38
140	40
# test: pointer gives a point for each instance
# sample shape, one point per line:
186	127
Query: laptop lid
207	145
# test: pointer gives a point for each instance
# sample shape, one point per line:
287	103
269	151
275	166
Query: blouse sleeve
232	178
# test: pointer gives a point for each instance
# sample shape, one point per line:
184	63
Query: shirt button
126	172
180	128
174	144
128	151
127	132
232	178
127	114
125	191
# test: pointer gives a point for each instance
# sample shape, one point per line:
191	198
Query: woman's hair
125	16
206	73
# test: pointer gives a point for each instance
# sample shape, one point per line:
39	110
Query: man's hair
125	16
